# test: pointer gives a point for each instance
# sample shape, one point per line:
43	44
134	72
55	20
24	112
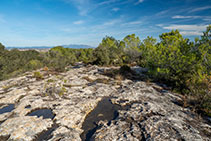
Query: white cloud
161	13
107	25
112	22
205	18
115	9
139	1
78	22
185	17
132	23
187	29
106	2
191	33
85	6
200	9
135	22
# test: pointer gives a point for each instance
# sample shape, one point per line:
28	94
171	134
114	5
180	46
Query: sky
61	22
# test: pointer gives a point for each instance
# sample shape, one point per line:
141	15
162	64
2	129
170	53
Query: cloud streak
112	22
186	27
200	9
78	22
205	18
85	6
191	33
106	2
133	23
139	1
115	9
189	30
185	17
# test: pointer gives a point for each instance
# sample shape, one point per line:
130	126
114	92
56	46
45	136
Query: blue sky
58	22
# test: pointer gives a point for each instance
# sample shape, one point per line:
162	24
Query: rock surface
145	111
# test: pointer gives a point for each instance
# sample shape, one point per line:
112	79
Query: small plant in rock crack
53	90
37	75
62	91
50	80
65	80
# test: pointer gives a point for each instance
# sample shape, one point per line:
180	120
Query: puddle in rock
45	113
105	110
7	109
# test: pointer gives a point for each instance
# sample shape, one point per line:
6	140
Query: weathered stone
24	128
146	111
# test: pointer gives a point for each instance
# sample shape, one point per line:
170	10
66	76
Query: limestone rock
24	128
145	111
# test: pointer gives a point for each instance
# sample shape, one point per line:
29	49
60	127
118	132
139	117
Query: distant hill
48	47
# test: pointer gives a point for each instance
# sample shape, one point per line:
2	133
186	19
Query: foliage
200	97
109	52
147	48
114	52
34	64
15	62
2	48
38	75
182	64
132	48
171	60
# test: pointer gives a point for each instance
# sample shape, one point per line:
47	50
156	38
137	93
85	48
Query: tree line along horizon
183	64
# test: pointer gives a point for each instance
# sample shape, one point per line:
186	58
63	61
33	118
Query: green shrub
38	75
182	64
109	52
50	80
34	64
200	94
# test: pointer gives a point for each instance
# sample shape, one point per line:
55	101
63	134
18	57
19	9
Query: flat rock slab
24	128
144	111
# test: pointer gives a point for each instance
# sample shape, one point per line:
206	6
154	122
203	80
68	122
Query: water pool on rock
105	110
7	109
45	113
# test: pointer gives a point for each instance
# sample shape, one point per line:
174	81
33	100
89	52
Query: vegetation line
183	65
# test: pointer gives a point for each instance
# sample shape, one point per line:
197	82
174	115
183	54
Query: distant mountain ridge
48	47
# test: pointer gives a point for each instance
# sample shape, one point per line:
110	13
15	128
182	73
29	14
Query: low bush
176	61
38	75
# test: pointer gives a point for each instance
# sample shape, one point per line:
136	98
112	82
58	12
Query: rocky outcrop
127	110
